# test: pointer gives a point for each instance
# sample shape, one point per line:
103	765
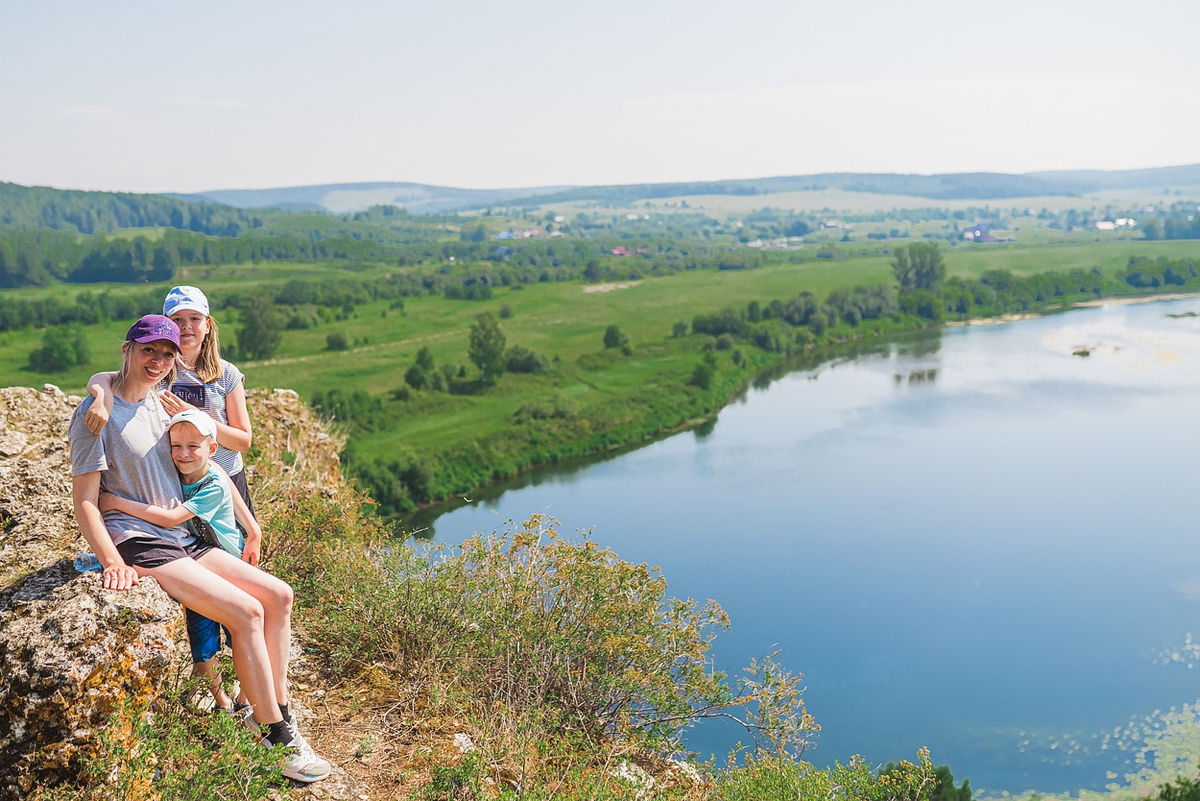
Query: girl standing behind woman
206	382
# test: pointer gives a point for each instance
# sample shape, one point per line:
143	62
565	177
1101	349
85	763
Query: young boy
208	495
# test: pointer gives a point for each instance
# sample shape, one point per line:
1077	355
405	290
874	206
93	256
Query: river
973	540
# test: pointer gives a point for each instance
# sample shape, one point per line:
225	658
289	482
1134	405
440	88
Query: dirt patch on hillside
610	287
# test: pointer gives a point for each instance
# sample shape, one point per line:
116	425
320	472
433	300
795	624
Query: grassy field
564	321
557	319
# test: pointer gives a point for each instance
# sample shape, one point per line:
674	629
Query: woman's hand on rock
172	403
119	577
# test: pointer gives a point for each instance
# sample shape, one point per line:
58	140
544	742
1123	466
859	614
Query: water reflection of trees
918	345
421	524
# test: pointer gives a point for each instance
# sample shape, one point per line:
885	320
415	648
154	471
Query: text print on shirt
190	393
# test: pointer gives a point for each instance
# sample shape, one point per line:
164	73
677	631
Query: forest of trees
106	212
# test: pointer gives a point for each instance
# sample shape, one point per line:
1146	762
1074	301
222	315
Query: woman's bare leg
276	599
207	592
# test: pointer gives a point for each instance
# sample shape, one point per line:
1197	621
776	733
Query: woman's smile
154	359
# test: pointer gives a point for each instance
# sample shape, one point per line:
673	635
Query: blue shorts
204	636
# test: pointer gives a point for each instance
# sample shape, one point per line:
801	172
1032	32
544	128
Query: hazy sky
154	96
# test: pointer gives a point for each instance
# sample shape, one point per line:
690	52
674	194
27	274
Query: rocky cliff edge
70	652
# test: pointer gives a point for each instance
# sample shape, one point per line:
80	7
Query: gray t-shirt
133	455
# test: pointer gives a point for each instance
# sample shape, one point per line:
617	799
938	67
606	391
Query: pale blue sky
146	96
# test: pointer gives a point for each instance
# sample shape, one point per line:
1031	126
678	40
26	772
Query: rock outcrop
70	652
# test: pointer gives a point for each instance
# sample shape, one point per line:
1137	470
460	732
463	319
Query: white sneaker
294	730
301	763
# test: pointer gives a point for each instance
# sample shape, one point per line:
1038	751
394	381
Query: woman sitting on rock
211	384
131	458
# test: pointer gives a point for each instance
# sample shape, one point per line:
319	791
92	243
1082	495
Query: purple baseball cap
153	328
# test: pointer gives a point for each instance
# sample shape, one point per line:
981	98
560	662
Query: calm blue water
989	562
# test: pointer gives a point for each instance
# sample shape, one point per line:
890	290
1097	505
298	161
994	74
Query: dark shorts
204	636
149	552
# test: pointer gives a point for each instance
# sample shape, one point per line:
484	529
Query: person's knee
282	598
249	621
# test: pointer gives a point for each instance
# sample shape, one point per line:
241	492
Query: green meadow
611	398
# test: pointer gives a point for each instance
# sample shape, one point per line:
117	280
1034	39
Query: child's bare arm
252	549
168	518
99	387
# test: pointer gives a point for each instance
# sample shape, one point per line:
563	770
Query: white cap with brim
203	423
185	297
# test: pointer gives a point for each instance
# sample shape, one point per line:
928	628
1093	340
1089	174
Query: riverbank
827	491
668	401
1083	304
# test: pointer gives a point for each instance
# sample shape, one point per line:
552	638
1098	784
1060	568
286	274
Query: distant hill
427	199
954	186
1080	181
105	212
230	212
348	198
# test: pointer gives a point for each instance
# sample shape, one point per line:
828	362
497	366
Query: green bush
173	754
777	776
336	341
416	378
1182	789
530	626
524	360
63	347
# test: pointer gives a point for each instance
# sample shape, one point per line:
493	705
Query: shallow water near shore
974	540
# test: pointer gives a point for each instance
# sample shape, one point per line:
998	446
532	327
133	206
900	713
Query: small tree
919	267
416	378
336	341
262	327
612	337
523	360
486	349
702	376
63	347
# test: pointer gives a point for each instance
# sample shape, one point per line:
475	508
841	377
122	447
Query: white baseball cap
203	423
185	297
